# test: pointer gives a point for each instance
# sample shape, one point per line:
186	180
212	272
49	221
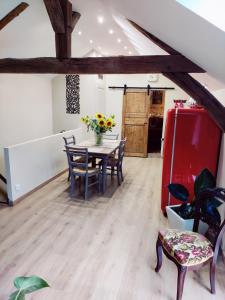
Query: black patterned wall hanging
72	94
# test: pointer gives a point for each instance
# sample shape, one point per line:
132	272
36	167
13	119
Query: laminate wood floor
101	249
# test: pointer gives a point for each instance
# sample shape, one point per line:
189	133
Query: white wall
114	98
220	95
25	109
92	100
34	162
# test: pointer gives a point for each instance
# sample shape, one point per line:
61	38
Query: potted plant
182	216
99	124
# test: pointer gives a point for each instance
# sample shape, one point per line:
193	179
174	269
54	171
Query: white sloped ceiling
185	31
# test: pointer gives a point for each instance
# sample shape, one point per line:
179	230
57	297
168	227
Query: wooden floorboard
101	249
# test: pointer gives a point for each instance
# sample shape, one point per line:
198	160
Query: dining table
103	152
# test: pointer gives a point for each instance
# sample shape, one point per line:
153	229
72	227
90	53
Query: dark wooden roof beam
13	14
63	21
75	19
55	14
100	65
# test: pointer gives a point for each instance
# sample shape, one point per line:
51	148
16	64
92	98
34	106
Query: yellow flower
109	122
99	116
101	122
85	119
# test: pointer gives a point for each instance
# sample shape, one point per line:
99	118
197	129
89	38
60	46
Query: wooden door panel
136	139
135	123
135	104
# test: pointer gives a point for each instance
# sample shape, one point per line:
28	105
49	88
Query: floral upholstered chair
191	250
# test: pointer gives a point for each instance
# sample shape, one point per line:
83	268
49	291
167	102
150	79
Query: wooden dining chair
191	250
111	137
71	141
79	167
115	163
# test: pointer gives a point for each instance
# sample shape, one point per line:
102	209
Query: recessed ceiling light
119	40
99	55
100	19
125	47
80	32
130	52
111	31
91	41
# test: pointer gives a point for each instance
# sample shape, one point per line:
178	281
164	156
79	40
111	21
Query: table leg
104	175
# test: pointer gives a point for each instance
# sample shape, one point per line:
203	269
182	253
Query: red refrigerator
191	143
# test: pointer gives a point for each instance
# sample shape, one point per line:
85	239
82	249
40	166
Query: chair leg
180	281
212	276
68	179
159	255
118	177
86	188
93	162
72	185
121	170
112	171
99	182
80	183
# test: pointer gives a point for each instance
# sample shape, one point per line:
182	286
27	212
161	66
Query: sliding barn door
135	123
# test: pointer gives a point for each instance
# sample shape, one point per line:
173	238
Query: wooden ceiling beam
75	18
194	88
63	41
99	65
63	21
187	83
13	14
56	15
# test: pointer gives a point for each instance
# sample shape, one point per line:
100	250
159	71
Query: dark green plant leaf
18	295
186	211
26	285
30	284
210	202
178	191
204	181
212	216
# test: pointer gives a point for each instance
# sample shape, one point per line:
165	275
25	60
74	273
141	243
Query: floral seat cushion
187	247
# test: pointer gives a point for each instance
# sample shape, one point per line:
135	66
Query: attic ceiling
31	34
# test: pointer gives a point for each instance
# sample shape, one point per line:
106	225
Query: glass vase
98	139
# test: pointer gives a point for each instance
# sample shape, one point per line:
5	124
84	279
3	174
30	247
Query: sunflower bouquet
99	124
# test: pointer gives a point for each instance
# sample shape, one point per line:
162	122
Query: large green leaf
204	181
210	212
30	284
26	285
178	191
18	295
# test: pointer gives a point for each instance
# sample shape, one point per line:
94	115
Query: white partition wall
32	163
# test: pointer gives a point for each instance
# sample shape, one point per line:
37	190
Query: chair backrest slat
70	140
77	158
121	150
